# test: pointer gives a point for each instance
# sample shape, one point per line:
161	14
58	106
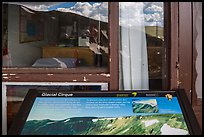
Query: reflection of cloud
34	3
153	13
98	11
129	16
134	13
38	6
153	8
149	12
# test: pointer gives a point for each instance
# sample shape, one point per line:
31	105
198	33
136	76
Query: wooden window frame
85	75
175	24
183	52
16	74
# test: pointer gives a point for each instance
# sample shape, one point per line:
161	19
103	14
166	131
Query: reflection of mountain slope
130	125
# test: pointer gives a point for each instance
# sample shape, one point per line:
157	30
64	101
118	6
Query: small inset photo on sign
144	106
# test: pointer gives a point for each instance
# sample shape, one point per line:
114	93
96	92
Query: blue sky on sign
58	108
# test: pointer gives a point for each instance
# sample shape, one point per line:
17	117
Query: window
142	50
97	61
66	35
76	36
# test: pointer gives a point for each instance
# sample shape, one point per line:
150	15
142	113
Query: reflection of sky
151	12
62	5
65	5
47	108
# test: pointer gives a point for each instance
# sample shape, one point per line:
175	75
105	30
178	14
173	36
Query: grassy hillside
130	125
144	108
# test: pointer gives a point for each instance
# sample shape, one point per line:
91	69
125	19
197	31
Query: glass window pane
57	34
141	45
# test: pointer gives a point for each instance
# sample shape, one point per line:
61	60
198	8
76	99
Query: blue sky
62	5
45	107
65	5
131	13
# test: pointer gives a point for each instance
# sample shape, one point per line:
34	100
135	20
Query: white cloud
153	7
82	7
131	13
155	17
38	6
34	3
136	13
98	11
154	13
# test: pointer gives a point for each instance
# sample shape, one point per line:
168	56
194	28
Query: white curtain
133	47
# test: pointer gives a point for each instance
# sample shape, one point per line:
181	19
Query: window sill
78	70
80	74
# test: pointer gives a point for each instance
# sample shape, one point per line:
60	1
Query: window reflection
141	45
75	34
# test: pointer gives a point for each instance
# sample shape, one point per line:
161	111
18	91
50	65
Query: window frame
19	74
90	75
183	65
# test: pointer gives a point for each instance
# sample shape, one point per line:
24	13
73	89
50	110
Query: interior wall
21	54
